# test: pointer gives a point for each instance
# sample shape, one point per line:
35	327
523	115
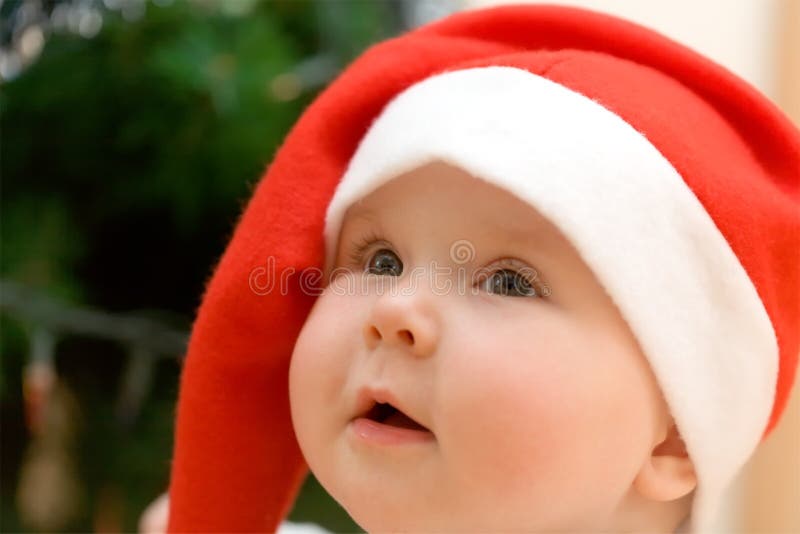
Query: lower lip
379	434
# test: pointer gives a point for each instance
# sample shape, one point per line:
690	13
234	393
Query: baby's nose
402	321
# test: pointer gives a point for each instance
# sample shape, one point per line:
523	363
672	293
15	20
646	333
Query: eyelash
358	255
360	247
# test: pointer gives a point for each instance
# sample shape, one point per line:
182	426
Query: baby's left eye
384	262
508	282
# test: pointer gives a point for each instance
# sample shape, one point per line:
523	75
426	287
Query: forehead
444	193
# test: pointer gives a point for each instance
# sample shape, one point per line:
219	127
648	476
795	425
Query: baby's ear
668	473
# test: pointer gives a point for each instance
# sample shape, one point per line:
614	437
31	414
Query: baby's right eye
373	254
384	262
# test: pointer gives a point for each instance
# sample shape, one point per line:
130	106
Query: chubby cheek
500	424
317	376
538	420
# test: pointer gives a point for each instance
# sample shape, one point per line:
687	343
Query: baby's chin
380	518
376	502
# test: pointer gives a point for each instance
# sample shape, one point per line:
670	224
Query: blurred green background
132	133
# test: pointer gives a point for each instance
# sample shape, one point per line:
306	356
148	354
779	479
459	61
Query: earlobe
668	474
666	478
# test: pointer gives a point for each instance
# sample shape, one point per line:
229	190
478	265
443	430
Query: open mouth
389	415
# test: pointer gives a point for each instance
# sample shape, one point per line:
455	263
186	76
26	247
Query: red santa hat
677	182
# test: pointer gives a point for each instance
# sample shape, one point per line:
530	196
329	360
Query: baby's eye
384	262
508	282
380	262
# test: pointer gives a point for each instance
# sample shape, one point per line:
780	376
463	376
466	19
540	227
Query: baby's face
539	410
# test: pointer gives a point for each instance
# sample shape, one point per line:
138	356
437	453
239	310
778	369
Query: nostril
406	336
373	333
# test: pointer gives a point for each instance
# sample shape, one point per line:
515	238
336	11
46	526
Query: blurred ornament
38	381
31	42
38	378
49	492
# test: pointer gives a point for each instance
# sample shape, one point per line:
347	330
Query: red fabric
237	465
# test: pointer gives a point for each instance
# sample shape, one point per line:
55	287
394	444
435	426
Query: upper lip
369	396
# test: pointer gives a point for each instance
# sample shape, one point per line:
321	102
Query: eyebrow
360	212
537	235
517	233
523	235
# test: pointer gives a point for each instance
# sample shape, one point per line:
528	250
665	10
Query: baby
528	268
524	401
